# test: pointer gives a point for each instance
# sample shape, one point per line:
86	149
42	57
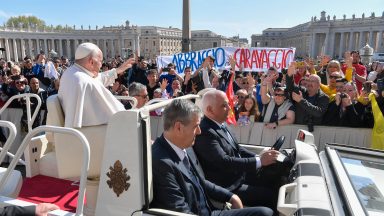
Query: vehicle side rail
128	98
12	135
163	212
166	102
27	96
55	129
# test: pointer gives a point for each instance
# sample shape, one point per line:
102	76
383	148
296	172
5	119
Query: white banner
250	59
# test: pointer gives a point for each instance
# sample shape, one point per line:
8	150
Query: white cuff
258	162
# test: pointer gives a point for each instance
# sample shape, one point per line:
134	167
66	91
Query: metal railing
27	97
9	142
129	98
166	102
55	129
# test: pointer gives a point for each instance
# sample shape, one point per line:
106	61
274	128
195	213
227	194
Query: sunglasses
19	82
334	77
245	83
281	95
241	97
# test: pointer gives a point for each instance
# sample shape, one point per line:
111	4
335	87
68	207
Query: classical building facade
330	36
113	41
149	41
156	41
205	39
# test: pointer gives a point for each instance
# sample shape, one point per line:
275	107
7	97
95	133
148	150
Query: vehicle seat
56	163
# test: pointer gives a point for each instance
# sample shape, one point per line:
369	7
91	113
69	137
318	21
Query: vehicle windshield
367	178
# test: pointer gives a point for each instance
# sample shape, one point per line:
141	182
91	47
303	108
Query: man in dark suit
41	209
178	184
227	164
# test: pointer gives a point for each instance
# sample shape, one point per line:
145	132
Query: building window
214	44
154	43
266	43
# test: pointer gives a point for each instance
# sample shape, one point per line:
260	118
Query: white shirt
180	152
84	99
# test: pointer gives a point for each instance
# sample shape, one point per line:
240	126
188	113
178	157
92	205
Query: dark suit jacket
173	187
17	210
224	162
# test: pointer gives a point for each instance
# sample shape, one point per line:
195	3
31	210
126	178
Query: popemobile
113	168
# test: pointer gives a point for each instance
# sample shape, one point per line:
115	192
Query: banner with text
250	59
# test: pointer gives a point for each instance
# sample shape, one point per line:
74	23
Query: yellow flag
378	128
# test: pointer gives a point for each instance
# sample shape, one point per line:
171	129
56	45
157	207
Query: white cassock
85	100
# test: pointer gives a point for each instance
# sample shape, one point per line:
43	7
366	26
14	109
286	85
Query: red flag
231	115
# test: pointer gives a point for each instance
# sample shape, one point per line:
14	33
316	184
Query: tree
25	21
60	27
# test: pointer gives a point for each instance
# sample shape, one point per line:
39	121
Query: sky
224	17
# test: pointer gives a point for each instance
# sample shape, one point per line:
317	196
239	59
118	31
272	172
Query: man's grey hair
135	88
180	110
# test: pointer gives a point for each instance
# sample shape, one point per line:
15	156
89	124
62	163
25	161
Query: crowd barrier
258	134
254	134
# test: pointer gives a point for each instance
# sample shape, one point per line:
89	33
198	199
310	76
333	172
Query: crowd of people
329	92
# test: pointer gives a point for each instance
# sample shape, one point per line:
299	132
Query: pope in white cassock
83	94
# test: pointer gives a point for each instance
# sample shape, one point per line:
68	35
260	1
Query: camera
380	85
343	95
296	89
15	77
166	69
367	87
284	70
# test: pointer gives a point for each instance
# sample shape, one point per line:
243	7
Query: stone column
7	50
61	47
53	45
361	44
37	46
30	46
380	47
370	42
112	48
105	48
341	49
331	47
119	46
45	45
15	54
69	56
351	41
313	45
22	48
326	44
